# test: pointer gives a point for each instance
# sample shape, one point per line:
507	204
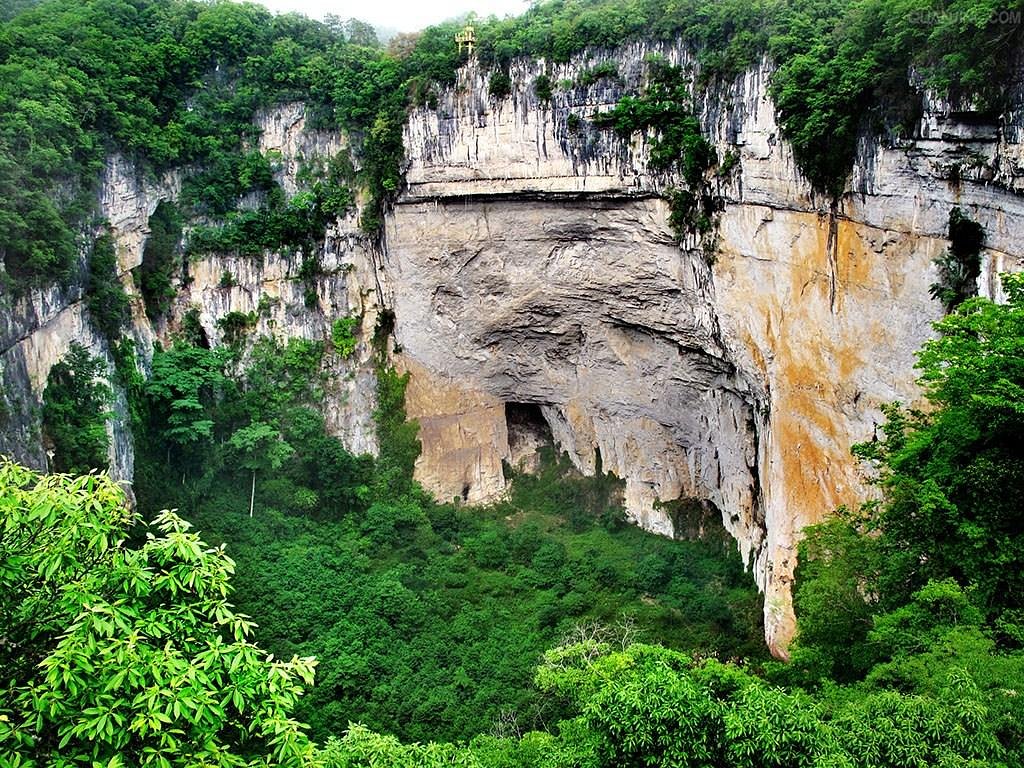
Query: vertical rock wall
37	329
529	261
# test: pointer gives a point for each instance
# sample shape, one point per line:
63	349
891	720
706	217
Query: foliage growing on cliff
104	295
664	108
397	435
542	87
960	267
169	83
235	326
279	222
343	334
841	67
115	655
75	412
935	566
606	70
499	85
161	256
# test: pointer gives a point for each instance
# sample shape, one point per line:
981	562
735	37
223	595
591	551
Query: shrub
499	86
653	573
393	523
236	325
489	550
960	266
549	560
75	412
542	87
104	295
524	542
343	336
606	70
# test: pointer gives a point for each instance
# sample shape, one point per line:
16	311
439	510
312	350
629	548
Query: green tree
920	592
183	390
121	656
834	598
259	447
160	257
75	414
960	266
104	295
360	33
953	476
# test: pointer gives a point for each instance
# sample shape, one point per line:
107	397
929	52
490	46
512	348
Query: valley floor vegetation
126	644
427	619
357	622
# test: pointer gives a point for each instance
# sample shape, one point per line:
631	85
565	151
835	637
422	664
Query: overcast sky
403	15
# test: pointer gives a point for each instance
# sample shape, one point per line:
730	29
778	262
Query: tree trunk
252	496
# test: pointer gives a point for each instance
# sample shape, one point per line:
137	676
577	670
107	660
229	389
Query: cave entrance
528	432
695	519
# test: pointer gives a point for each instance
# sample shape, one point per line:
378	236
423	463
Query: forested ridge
538	631
176	83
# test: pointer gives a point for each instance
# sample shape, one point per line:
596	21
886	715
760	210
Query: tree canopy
75	412
122	655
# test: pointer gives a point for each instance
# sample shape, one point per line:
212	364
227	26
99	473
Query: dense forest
306	606
121	645
175	83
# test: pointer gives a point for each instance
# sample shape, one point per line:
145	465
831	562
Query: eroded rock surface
37	329
530	262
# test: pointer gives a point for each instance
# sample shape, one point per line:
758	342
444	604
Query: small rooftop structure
466	38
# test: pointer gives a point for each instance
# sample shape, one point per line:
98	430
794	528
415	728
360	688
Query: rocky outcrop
284	305
287	305
529	261
533	277
37	329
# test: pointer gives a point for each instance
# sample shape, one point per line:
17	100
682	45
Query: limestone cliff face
37	329
529	261
271	288
530	270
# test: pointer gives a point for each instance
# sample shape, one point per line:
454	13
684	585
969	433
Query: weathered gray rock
530	263
37	329
270	287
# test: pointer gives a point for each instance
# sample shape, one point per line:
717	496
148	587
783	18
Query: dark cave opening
695	519
528	432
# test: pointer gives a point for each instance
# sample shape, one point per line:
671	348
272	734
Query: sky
401	15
